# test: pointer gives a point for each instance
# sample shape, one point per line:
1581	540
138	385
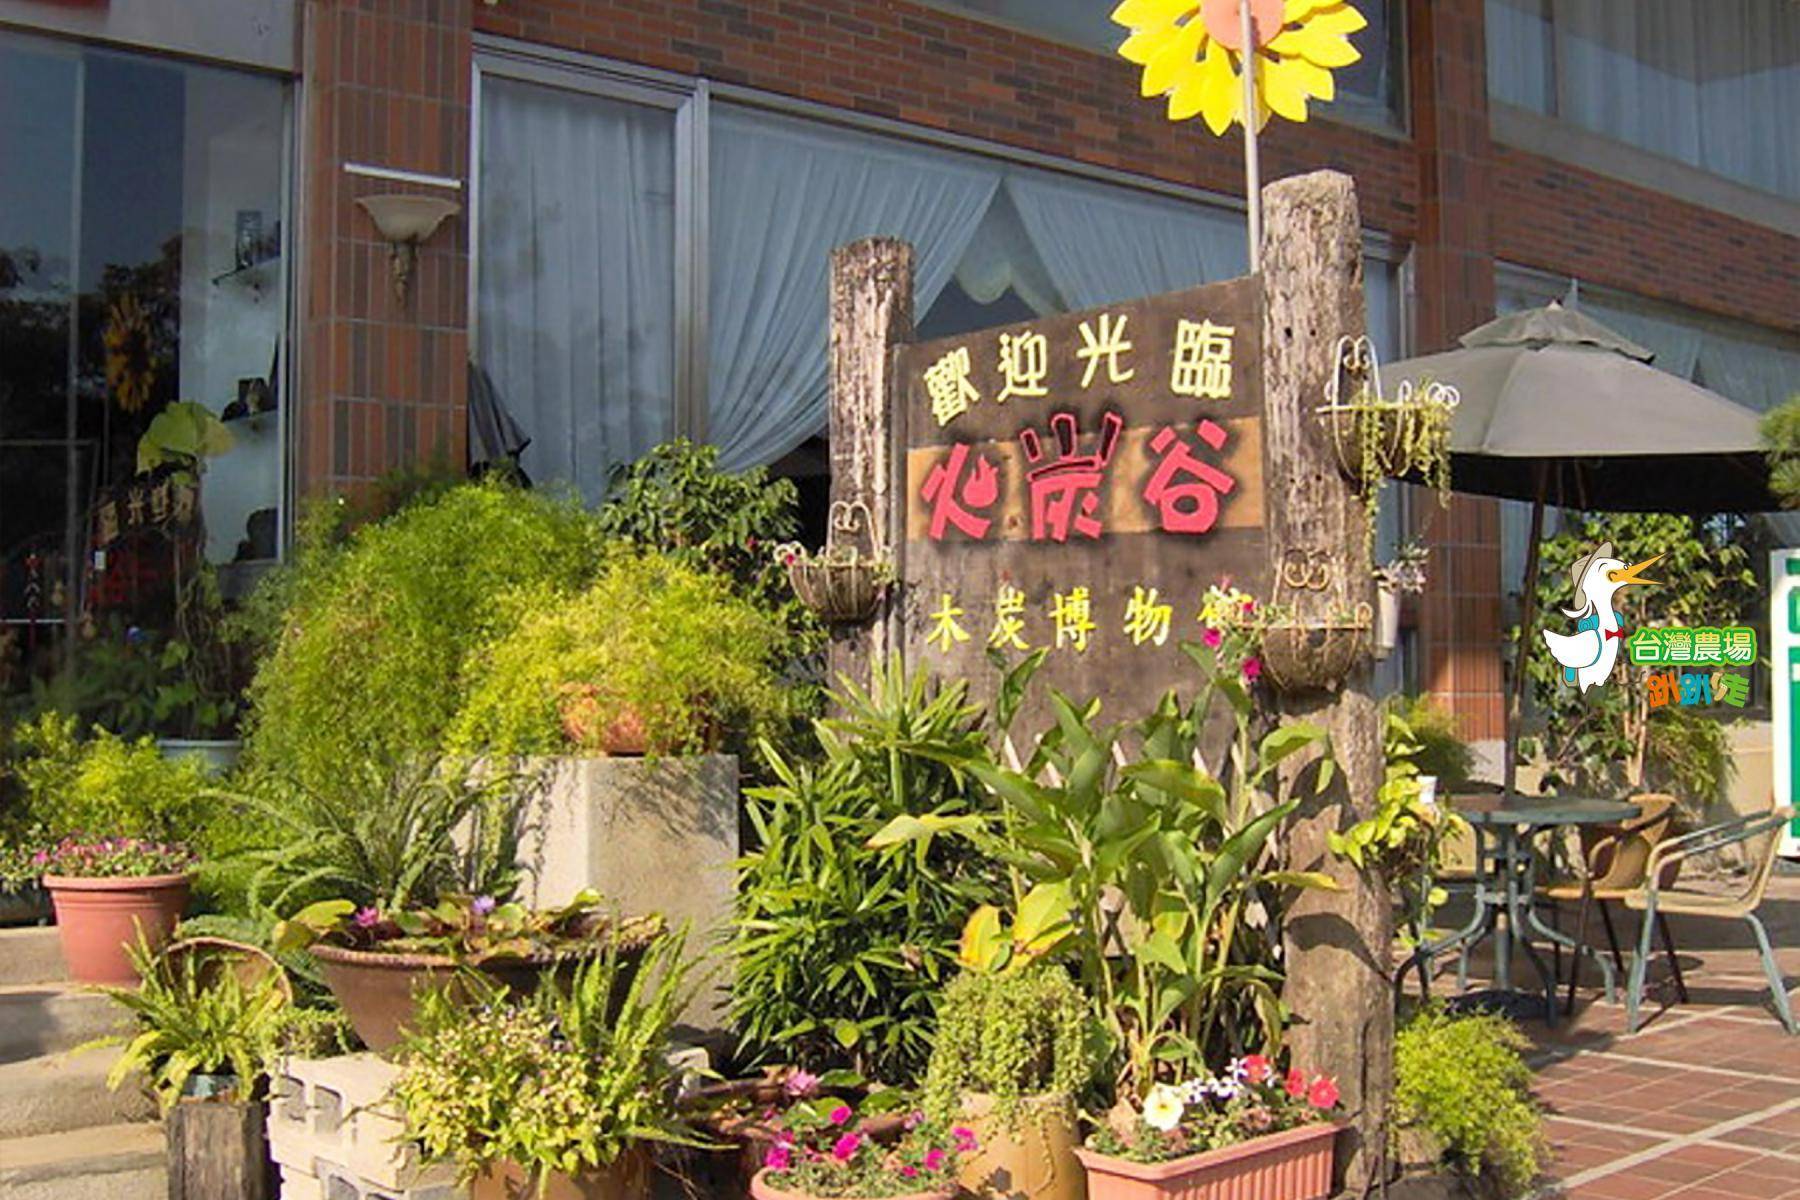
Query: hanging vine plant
1375	439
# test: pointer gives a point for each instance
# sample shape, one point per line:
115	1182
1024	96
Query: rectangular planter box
1294	1164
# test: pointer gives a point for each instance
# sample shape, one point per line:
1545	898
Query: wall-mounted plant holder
1375	438
1303	650
844	583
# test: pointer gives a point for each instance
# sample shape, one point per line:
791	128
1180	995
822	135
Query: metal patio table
1506	877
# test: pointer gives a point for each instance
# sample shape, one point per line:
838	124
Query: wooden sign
1076	484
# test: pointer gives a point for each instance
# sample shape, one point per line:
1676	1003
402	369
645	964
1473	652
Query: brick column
1459	620
382	383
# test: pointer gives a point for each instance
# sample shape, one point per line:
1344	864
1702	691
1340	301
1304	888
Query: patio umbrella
496	439
1557	408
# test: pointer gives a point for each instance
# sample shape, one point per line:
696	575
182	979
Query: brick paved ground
1703	1102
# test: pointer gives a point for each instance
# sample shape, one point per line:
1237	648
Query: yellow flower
1191	52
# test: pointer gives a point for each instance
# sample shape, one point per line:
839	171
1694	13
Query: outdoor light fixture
405	221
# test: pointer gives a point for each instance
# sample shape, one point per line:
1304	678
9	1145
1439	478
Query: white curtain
576	304
1712	83
1102	244
784	193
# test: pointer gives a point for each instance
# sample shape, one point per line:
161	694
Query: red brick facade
388	83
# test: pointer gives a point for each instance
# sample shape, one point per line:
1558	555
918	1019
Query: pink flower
909	1172
840	1114
1249	605
366	918
1257	1068
1296	1082
913	1120
779	1158
800	1084
846	1146
964	1139
1323	1093
1212	638
1252	669
934	1159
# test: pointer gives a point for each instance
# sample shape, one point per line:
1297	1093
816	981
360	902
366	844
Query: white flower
1162	1108
1194	1091
1223	1089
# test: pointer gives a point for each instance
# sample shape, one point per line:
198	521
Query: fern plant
193	1020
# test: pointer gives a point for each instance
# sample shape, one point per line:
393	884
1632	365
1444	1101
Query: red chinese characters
957	491
1184	489
1065	491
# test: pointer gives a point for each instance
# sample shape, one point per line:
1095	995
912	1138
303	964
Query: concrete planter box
651	835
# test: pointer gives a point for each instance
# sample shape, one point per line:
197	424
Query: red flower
1296	1082
1252	669
1257	1068
1323	1093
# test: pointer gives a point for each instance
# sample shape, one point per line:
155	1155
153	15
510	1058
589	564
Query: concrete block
651	835
337	1112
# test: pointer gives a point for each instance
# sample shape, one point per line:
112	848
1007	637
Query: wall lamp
404	222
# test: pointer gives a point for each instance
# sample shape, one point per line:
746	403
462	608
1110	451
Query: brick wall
387	85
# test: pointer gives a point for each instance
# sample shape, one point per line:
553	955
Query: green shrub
1441	751
653	638
376	637
841	949
1009	1034
1464	1081
108	786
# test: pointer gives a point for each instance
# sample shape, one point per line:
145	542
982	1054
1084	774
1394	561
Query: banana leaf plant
1156	877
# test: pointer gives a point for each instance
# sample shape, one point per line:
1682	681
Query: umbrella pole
1515	702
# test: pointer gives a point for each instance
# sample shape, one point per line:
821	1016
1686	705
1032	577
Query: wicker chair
1658	896
1613	859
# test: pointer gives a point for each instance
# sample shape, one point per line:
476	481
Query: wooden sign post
1337	944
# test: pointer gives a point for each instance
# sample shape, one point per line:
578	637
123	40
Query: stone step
61	1092
105	1162
31	954
48	1018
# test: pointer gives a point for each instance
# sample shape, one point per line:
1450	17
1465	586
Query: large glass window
576	278
1368	90
142	210
1711	84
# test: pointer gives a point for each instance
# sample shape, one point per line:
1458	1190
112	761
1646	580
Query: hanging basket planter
1373	437
845	583
1315	656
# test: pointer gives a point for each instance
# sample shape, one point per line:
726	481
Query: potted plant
110	893
1315	654
1403	575
1010	1059
378	963
823	1152
745	1116
561	1095
1250	1132
210	1018
656	657
844	582
23	900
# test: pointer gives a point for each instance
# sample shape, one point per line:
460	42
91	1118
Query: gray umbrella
1557	408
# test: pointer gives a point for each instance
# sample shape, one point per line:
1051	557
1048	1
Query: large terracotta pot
1034	1160
762	1189
376	988
626	1179
1294	1164
98	919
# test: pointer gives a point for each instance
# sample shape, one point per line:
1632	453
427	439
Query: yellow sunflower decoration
1192	52
130	354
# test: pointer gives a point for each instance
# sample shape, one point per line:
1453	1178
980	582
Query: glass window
1713	85
576	280
142	206
1367	90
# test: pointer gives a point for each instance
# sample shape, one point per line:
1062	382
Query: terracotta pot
1035	1160
1294	1164
623	737
626	1179
99	918
376	988
762	1189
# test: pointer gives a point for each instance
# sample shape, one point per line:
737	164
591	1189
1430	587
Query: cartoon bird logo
1588	654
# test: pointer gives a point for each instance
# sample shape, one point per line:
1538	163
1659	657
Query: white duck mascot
1588	654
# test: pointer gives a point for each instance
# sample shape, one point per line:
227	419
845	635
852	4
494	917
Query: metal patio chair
1658	897
1613	862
